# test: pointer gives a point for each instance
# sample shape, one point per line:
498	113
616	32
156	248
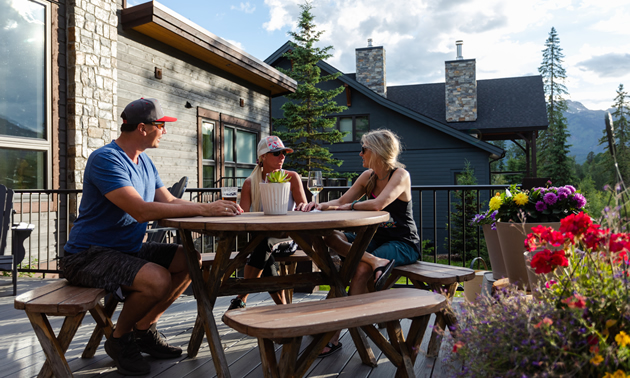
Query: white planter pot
275	197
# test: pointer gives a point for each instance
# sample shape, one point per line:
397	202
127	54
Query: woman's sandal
386	272
332	348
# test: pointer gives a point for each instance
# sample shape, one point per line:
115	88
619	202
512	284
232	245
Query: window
227	150
25	94
356	126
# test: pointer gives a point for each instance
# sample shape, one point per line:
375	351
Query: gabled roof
356	86
500	104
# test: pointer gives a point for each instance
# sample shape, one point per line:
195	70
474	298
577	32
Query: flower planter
512	239
275	197
494	251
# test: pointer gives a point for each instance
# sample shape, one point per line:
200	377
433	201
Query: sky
506	37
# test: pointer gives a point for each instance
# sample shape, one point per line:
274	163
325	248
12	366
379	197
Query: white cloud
244	7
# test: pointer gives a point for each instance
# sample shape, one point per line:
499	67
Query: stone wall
91	95
370	68
461	90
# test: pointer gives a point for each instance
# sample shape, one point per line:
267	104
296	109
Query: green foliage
595	199
306	125
465	207
278	177
621	127
553	158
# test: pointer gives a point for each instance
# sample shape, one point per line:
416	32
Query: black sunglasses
363	149
277	153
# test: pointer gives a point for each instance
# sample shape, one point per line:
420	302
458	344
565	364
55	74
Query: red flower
545	261
576	301
577	224
457	345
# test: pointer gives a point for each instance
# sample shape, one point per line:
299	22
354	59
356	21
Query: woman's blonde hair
385	148
256	179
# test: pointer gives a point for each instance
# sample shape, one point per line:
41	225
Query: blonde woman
386	185
271	154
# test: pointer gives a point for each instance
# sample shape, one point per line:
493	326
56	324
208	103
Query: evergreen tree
306	125
553	158
622	130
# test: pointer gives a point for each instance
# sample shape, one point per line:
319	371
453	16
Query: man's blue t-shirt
100	222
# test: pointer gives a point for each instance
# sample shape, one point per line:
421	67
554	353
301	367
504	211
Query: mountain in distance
586	128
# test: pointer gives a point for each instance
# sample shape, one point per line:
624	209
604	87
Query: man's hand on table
221	208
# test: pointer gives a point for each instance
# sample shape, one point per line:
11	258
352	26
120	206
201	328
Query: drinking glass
315	183
229	193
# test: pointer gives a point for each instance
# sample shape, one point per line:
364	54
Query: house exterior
442	126
69	67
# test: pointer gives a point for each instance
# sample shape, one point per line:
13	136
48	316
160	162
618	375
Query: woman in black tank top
385	185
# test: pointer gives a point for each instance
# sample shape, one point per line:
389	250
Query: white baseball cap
271	144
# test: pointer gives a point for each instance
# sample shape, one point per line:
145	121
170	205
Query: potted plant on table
275	192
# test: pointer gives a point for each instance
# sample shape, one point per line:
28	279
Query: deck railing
433	207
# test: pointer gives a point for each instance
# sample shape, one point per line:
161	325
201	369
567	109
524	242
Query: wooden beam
348	95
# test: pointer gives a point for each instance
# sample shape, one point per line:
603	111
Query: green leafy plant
278	177
579	324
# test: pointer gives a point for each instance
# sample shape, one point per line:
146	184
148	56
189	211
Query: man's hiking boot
236	303
126	355
151	342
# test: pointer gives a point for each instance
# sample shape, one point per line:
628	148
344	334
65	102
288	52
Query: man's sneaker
236	303
151	342
126	355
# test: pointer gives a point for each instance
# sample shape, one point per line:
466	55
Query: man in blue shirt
122	191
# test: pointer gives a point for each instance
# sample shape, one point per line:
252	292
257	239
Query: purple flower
563	193
540	206
570	187
550	198
494	214
579	199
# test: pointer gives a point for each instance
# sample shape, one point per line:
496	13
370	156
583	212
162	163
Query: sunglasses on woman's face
278	153
363	149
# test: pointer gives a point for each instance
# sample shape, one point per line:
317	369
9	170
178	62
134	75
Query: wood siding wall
184	78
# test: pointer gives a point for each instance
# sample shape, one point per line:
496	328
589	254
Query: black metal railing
53	213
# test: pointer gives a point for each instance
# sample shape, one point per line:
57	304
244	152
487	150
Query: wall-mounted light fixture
242	102
188	105
158	73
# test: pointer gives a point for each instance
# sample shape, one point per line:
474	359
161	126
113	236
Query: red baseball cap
144	110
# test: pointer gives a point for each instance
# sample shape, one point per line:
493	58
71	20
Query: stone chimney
371	68
461	88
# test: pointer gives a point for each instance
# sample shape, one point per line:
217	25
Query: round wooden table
306	229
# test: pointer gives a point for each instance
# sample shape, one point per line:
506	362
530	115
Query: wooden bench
438	278
288	265
321	319
72	302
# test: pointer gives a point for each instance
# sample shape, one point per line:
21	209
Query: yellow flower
617	374
495	203
597	359
622	339
521	199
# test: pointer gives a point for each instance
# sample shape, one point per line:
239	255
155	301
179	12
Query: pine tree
306	125
553	158
622	130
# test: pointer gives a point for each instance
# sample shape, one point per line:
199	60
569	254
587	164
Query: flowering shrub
539	205
580	323
489	217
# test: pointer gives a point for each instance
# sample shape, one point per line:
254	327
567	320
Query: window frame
221	121
354	126
49	145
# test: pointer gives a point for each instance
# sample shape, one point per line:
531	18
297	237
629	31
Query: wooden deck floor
21	355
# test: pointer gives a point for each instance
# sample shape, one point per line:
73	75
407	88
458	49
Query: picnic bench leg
52	346
311	352
104	326
206	296
397	339
442	318
288	358
415	334
268	358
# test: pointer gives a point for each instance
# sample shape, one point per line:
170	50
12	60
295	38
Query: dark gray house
441	125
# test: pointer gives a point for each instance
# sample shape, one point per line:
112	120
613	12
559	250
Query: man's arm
167	206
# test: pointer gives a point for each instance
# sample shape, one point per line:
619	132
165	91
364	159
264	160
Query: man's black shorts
108	269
